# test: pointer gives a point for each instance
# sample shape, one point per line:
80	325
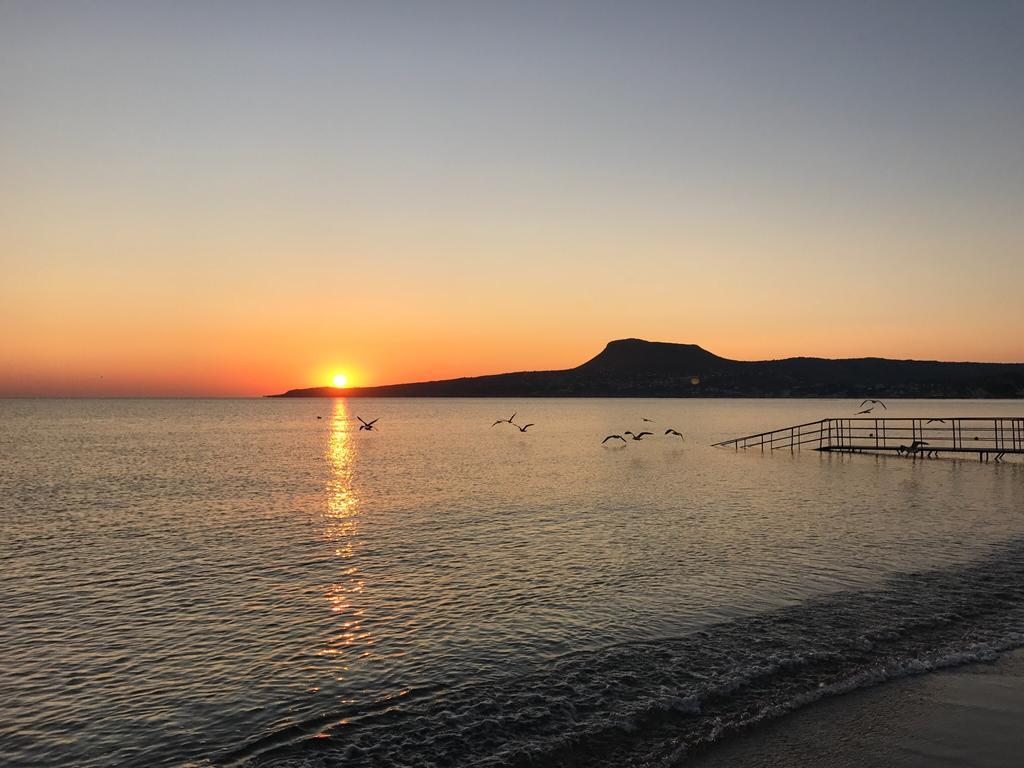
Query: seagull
941	421
613	437
319	417
914	447
367	425
673	432
866	410
505	421
638	437
643	419
873	403
522	428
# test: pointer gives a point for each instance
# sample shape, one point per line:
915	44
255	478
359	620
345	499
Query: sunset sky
240	198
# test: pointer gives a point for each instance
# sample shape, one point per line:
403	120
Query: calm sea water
257	581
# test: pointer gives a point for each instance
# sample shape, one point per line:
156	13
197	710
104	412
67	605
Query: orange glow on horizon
268	361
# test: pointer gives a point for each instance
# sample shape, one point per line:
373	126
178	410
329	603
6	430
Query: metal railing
986	436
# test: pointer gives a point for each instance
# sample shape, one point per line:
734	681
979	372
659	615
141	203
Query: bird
673	432
504	421
874	403
638	437
914	447
645	419
866	410
613	437
941	421
367	425
319	417
522	428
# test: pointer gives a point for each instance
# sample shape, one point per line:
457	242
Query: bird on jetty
873	404
673	432
522	428
914	447
367	425
505	421
639	436
614	437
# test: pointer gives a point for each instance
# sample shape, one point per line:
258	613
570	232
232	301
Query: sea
258	582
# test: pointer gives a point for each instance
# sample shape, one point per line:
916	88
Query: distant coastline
638	368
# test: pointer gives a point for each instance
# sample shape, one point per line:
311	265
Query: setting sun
340	380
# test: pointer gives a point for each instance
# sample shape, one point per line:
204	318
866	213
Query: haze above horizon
246	198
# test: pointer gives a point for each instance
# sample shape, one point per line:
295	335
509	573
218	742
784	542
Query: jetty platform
990	438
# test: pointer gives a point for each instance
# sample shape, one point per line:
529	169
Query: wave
650	703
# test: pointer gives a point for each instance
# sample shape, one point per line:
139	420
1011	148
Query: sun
340	380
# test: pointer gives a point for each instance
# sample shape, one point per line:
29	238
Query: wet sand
968	716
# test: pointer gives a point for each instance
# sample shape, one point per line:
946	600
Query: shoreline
967	715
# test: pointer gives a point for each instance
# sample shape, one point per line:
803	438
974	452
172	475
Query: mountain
638	368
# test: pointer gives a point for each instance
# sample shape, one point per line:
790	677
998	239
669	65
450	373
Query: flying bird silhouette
873	403
614	437
522	428
367	425
941	421
673	432
643	419
866	410
505	421
638	437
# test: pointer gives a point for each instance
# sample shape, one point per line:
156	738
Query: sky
239	198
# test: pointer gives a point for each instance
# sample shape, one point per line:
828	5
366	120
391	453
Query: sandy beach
967	716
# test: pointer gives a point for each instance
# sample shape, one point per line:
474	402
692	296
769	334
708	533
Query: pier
991	438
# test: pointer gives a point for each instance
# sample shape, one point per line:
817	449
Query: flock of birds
916	447
368	426
633	435
640	435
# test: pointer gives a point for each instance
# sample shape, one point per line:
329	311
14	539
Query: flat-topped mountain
652	357
638	368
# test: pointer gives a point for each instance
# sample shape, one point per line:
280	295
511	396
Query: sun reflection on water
341	518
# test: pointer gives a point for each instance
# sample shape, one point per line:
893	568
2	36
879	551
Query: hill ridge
633	367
